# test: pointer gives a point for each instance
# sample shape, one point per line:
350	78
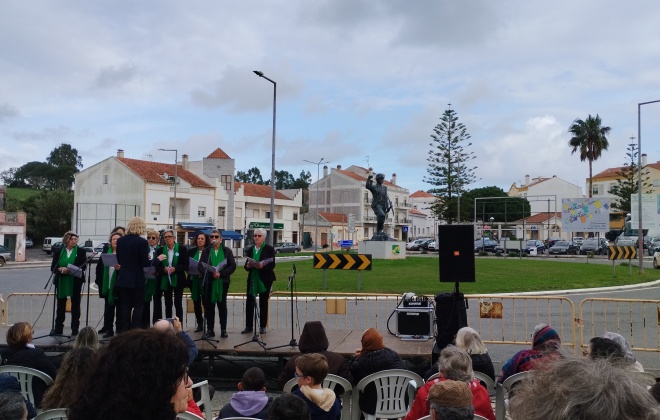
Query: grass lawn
494	275
21	194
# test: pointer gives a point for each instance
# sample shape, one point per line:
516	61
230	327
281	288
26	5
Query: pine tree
626	184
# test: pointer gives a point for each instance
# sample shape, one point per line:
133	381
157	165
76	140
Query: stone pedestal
383	250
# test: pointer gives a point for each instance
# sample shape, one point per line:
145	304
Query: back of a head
19	334
625	346
313	338
12	406
604	348
288	407
87	338
582	389
314	365
469	340
73	369
136	226
455	364
451	399
545	338
253	379
371	340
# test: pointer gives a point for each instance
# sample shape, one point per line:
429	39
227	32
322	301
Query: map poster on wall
590	214
650	212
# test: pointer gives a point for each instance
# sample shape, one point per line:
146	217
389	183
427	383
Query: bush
512	254
590	254
483	254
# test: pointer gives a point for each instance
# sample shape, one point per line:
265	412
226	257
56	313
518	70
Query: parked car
654	246
624	237
414	245
5	255
564	247
552	241
48	243
656	259
534	243
425	245
432	246
626	242
486	245
98	249
577	240
28	243
286	247
597	246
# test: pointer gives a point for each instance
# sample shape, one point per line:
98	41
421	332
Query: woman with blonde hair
133	256
67	385
469	340
87	338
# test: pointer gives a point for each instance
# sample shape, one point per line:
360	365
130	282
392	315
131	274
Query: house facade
423	223
605	180
545	194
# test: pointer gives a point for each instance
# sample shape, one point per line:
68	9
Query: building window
221	211
366	197
201	211
105	180
155	209
226	180
295	216
267	215
595	189
396	201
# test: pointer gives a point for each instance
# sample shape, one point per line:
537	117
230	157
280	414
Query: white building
545	194
423	223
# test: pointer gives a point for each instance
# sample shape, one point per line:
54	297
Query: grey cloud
8	112
115	76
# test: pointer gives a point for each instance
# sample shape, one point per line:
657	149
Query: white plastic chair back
490	384
54	414
331	382
646	377
500	408
478	417
288	386
24	375
432	377
392	386
205	400
188	416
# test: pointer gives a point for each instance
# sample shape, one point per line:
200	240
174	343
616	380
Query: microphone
213	242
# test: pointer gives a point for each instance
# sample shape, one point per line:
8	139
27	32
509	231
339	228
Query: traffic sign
346	243
342	261
622	252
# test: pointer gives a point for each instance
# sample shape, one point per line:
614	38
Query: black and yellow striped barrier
342	261
622	252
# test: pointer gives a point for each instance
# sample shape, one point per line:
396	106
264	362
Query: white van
49	242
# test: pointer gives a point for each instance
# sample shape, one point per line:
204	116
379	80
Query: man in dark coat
132	256
68	281
173	273
259	265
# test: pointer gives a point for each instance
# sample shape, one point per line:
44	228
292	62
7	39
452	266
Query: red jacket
480	400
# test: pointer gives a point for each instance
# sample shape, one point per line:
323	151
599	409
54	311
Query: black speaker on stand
456	257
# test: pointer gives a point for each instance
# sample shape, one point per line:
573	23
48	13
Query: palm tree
589	138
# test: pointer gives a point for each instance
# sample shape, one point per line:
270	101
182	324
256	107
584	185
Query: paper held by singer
193	266
75	270
109	260
254	263
150	272
214	269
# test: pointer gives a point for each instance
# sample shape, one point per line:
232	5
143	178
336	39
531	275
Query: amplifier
417	302
414	324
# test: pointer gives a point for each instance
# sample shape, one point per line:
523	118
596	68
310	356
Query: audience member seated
470	341
288	407
584	389
67	385
314	340
9	385
450	400
604	348
546	348
139	375
631	362
311	370
21	352
251	399
87	338
371	358
12	406
655	391
454	364
176	328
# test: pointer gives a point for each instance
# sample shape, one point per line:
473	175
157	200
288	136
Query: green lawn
21	194
494	275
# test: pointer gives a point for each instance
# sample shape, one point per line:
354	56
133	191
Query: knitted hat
543	334
372	341
450	393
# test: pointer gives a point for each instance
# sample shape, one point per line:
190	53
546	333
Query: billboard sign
588	214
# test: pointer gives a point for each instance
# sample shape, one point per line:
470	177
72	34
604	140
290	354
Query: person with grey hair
453	364
172	271
132	255
68	281
469	340
216	284
582	389
12	406
629	358
260	266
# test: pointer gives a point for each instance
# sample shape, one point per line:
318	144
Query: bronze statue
380	204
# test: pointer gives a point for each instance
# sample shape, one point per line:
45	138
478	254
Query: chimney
526	180
120	153
184	162
339	167
325	171
393	179
643	159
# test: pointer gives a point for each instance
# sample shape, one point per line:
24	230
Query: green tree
448	168
49	212
589	137
65	163
252	176
494	202
33	175
626	184
303	181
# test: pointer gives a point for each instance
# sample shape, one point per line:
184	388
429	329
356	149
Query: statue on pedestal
380	204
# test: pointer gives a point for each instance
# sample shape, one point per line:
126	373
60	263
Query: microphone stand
204	336
52	323
293	342
255	337
87	263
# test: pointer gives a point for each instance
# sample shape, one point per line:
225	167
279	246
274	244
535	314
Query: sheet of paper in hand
214	269
150	272
75	270
193	266
253	262
109	260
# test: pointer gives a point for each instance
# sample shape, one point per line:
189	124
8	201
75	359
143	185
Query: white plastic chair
646	377
432	377
205	400
188	416
490	384
24	375
392	387
331	381
500	408
54	414
478	417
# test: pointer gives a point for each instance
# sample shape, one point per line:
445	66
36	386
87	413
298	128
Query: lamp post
271	235
640	233
176	174
316	219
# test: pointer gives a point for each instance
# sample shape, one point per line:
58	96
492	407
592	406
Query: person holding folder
172	271
202	241
107	270
259	265
150	289
68	266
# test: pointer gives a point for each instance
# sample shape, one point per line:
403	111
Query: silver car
5	255
284	247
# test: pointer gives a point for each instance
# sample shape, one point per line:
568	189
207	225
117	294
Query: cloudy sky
358	82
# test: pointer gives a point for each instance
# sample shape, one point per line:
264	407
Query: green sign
265	225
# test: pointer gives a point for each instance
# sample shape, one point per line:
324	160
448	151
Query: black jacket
267	273
369	363
80	261
34	358
133	256
226	271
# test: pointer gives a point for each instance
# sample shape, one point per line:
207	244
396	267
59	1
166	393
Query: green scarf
109	283
164	284
216	284
195	281
65	285
257	285
150	285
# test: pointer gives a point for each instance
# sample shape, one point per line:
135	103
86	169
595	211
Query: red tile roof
362	178
415	211
218	154
609	172
541	217
334	217
256	190
153	172
421	194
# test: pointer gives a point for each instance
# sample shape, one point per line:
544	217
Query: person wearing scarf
150	290
216	285
202	241
106	279
259	282
546	348
172	272
66	284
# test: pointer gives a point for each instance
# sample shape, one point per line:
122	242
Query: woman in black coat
259	265
68	281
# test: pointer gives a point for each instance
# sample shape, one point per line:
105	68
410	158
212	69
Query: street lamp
316	219
271	235
640	233
176	174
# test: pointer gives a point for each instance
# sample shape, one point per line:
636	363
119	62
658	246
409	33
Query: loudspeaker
456	253
450	316
414	322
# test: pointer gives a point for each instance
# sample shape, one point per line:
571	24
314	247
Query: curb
579	291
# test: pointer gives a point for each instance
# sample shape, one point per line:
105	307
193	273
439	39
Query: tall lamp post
316	219
271	235
640	233
176	175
